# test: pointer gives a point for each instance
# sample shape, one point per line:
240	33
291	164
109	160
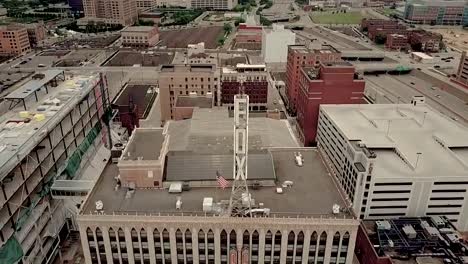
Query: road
402	89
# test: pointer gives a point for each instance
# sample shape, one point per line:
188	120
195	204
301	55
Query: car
23	62
437	66
41	65
438	96
433	88
418	69
412	83
454	118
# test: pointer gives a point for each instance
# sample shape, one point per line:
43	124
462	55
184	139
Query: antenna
240	201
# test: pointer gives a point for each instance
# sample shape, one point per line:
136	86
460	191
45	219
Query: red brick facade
302	56
334	83
246	33
396	42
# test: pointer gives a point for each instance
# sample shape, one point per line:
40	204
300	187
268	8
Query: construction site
142	58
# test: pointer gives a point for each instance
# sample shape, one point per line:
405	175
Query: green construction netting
402	68
74	161
73	164
11	252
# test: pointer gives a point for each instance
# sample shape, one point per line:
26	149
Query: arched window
188	247
123	245
157	246
166	247
268	246
224	246
322	248
246	238
277	247
290	247
299	248
211	246
114	246
136	246
92	245
202	247
255	247
334	250
312	248
100	245
179	246
344	248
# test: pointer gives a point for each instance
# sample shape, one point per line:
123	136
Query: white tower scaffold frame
240	201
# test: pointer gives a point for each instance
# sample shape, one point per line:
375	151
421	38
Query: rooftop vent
38	76
336	209
99	205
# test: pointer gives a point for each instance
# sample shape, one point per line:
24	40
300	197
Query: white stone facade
275	44
213	239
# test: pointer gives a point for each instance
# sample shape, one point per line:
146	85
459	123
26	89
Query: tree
380	39
227	28
221	40
238	21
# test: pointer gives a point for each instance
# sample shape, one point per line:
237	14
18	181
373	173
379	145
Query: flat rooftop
315	47
190	166
145	143
312	194
210	131
137	29
194	101
398	133
188	68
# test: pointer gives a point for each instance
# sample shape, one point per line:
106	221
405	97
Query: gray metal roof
33	85
189	166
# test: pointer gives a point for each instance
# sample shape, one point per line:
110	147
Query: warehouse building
397	160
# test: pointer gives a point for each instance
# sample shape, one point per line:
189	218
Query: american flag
222	182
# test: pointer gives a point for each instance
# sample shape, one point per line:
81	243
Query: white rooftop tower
239	203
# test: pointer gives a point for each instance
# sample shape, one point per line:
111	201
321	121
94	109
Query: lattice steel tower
240	201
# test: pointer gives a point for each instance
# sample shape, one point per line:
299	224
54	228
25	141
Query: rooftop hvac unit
178	203
336	209
99	205
207	204
438	221
175	187
383	225
298	159
430	231
409	231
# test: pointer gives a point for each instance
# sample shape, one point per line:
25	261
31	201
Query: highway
400	89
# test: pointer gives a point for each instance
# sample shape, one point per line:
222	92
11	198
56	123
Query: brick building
421	40
246	33
140	36
300	56
14	40
462	74
116	12
255	85
330	83
380	27
36	33
182	80
396	42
